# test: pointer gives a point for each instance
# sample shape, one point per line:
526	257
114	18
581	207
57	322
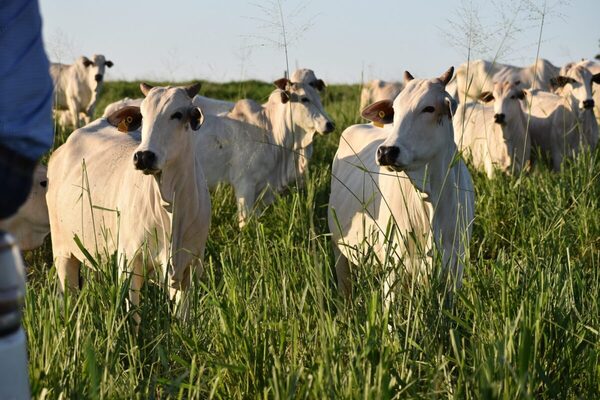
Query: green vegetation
267	322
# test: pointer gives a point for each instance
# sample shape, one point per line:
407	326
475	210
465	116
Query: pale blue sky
341	40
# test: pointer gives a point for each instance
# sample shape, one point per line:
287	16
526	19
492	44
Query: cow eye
44	183
305	100
428	109
513	97
177	115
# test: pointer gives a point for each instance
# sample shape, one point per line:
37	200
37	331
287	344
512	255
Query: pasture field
267	322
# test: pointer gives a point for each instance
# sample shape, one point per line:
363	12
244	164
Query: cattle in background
594	68
30	225
563	123
143	196
78	85
377	90
399	191
258	149
494	134
478	76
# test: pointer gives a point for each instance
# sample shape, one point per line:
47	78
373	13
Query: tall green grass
267	322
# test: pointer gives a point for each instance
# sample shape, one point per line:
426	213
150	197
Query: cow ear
193	90
109	64
196	118
560	81
318	84
284	97
408	77
127	119
86	61
446	76
380	112
596	78
486	96
282	83
521	94
145	88
451	105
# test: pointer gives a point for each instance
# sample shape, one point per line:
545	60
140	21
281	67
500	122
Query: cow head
305	75
421	118
305	106
576	80
169	117
506	98
94	69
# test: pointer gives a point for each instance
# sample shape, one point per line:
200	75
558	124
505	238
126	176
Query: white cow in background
478	76
399	191
30	225
257	148
562	123
78	85
495	135
377	90
143	196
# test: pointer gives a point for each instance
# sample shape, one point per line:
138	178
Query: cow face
95	70
168	119
421	117
576	80
506	99
305	106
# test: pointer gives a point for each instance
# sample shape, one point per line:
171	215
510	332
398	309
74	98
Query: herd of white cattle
136	181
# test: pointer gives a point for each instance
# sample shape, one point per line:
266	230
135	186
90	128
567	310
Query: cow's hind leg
245	194
68	272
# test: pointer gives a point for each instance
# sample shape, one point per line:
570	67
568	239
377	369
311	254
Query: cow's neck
438	182
290	140
180	200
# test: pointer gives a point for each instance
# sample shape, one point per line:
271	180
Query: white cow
78	85
563	123
594	68
478	76
30	225
495	135
119	104
258	147
377	90
143	196
399	191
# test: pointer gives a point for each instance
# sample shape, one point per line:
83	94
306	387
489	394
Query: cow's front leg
245	194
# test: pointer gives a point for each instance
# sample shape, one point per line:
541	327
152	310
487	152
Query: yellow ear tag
380	114
122	127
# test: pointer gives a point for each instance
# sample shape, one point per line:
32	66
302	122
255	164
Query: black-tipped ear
282	83
86	62
145	88
486	97
193	90
596	78
560	81
109	64
408	77
126	119
284	97
318	84
196	118
446	76
451	105
380	112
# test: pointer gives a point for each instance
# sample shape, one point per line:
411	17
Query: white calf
257	147
495	136
30	225
141	196
77	86
399	191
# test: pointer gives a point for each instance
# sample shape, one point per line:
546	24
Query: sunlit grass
267	322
